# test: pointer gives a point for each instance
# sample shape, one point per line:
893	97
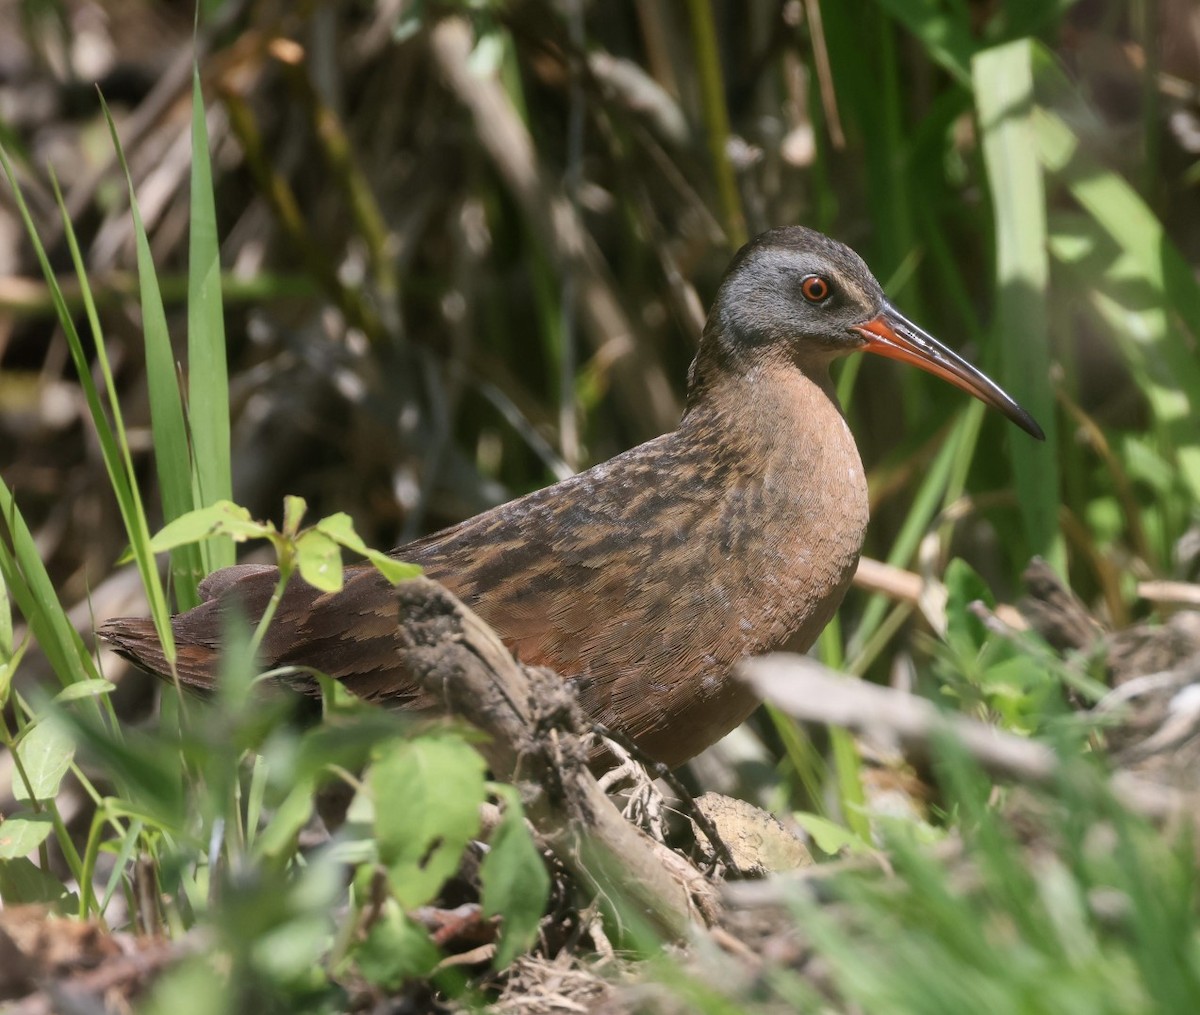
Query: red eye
815	289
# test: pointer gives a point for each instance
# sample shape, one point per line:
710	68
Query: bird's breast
770	527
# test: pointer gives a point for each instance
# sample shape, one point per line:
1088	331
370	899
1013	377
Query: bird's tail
136	639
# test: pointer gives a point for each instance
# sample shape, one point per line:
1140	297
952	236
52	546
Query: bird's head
795	293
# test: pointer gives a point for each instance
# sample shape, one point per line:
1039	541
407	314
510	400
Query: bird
645	579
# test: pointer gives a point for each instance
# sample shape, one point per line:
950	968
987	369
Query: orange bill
893	335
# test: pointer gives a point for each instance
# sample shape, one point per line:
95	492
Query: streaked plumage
647	577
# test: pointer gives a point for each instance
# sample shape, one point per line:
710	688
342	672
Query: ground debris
51	963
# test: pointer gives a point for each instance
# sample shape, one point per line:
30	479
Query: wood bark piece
531	718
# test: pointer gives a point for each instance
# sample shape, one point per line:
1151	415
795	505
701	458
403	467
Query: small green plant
314	552
1016	679
200	818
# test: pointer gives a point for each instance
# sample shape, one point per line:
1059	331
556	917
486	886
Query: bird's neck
775	411
793	470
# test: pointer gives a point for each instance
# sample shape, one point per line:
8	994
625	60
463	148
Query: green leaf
830	838
191	987
22	882
1139	284
84	689
427	794
340	528
21	833
514	879
393	570
289	817
395	950
293	513
46	752
965	632
222	518
320	561
145	768
943	29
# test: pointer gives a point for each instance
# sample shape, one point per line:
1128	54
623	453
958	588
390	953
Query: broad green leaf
144	767
395	950
320	561
21	833
22	882
514	879
222	518
294	944
46	752
427	794
830	838
965	632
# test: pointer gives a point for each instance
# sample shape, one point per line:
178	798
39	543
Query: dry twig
808	691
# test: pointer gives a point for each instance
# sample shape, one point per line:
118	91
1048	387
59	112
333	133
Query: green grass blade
7	647
716	118
1003	78
873	106
31	590
1141	290
925	505
171	451
208	378
116	457
944	31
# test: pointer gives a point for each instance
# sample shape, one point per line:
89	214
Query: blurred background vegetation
468	249
461	264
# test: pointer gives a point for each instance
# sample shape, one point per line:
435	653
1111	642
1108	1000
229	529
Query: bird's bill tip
892	335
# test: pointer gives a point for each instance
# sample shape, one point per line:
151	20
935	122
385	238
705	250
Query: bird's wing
601	578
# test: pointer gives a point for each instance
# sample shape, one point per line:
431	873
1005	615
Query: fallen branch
531	719
808	691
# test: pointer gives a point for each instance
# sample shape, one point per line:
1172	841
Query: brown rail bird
647	577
